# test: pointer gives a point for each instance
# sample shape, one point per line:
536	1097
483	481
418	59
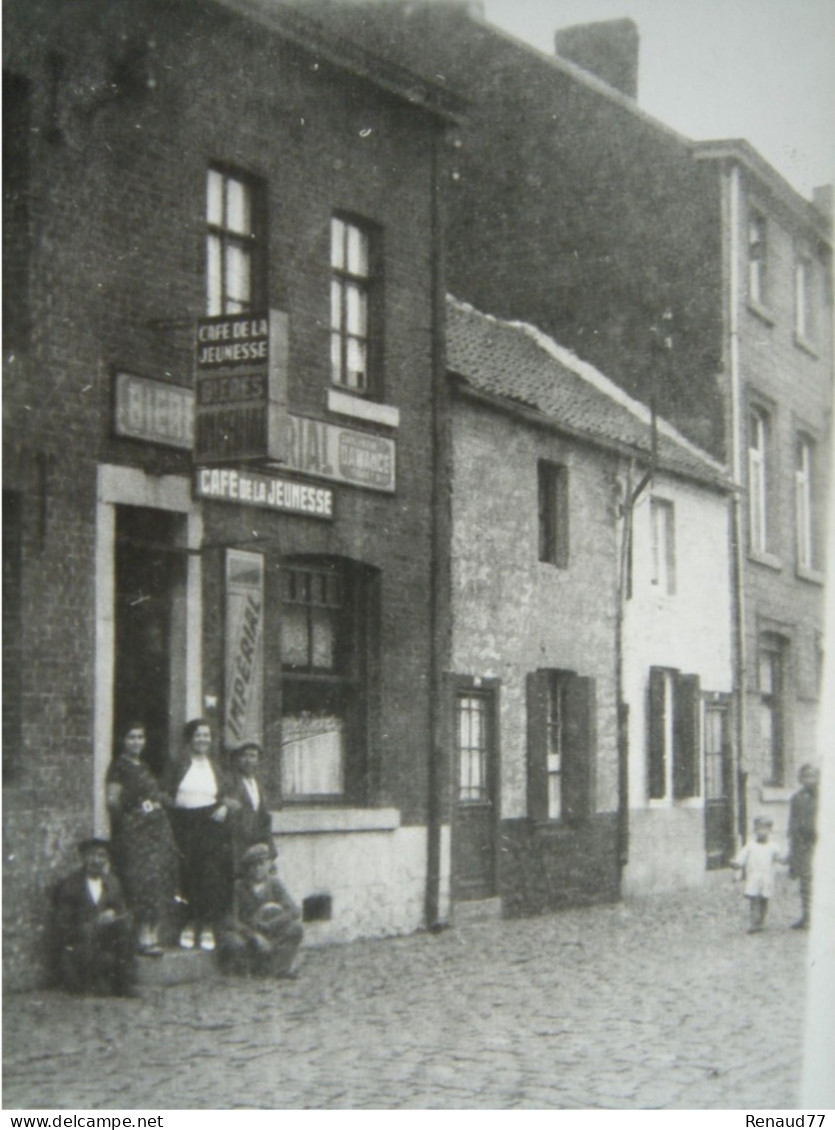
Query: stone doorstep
176	967
476	910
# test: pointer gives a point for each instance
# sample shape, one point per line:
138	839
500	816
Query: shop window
757	262
771	685
553	513
324	611
234	243
561	745
354	311
662	521
673	762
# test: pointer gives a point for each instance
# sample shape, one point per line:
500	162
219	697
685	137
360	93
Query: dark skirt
145	860
205	864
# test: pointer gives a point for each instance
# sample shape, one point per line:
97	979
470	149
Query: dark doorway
150	587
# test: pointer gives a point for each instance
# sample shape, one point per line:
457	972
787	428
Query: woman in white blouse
200	811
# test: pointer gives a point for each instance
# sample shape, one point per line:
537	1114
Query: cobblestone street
661	1003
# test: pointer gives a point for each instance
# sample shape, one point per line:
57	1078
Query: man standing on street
803	813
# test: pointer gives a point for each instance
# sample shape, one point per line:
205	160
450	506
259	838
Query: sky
763	70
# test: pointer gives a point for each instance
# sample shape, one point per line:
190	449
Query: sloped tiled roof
518	363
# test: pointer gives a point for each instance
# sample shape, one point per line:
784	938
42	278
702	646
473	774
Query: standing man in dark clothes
803	814
250	823
94	929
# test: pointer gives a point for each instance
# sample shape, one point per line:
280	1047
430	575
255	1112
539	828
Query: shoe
207	941
754	929
187	938
801	924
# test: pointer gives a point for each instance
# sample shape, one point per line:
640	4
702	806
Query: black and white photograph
417	646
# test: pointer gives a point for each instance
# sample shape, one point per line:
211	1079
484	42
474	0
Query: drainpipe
439	611
737	530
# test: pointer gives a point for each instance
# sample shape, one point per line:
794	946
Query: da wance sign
240	387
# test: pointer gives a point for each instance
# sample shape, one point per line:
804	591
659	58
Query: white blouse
198	789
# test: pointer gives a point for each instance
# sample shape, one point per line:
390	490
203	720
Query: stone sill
761	312
300	821
775	794
692	802
806	345
815	576
359	409
767	559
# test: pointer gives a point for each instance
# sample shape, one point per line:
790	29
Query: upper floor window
673	763
351	305
553	513
804	501
561	745
232	244
803	299
662	518
757	464
757	258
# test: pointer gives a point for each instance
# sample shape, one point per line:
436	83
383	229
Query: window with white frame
803	498
323	632
803	299
757	258
757	479
673	762
662	521
351	305
232	243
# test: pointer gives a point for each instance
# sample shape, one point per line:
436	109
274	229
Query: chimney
608	50
822	198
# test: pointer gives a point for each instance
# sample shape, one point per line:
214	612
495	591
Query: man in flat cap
263	936
94	931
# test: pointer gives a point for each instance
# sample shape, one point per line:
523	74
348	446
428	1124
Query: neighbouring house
582	574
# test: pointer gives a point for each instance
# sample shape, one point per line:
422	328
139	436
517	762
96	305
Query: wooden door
718	792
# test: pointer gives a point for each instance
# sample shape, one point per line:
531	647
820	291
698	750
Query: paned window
803	300
673	763
757	258
232	244
662	519
553	513
561	745
472	740
803	497
351	301
757	480
771	688
324	680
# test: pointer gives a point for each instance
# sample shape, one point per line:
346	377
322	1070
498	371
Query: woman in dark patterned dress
143	850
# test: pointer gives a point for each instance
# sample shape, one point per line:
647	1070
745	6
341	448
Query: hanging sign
244	667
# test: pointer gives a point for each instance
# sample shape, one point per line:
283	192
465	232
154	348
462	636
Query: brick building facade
215	159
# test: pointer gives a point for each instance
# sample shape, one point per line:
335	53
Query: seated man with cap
94	930
263	936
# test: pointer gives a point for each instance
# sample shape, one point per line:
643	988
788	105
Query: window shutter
537	703
655	764
686	700
580	744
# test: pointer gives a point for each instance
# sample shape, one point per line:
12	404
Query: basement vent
317	908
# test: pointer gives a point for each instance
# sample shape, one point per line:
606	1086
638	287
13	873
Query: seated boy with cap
94	930
263	936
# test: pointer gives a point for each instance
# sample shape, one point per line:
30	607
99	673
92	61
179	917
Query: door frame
129	486
490	689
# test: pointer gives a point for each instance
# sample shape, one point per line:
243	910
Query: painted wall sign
244	666
153	411
328	451
270	492
240	387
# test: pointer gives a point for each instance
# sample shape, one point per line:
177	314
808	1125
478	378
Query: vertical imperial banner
244	690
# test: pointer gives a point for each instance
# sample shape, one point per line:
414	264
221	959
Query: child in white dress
756	860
